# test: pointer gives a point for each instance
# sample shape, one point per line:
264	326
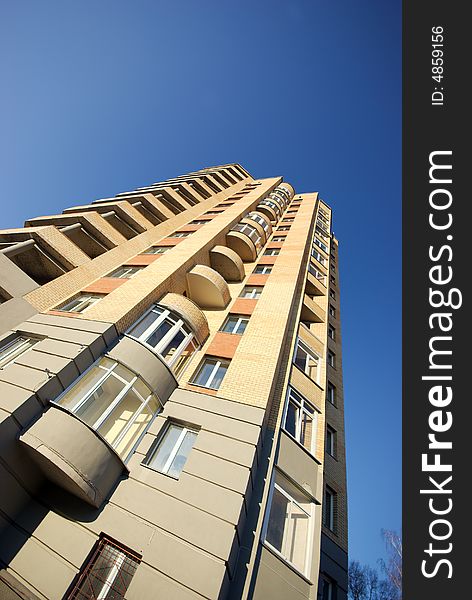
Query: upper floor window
235	324
331	359
331	441
272	252
283	228
321	259
171	451
80	303
181	234
289	523
331	394
327	589
125	272
251	291
107	573
307	360
332	294
332	310
167	334
157	250
301	420
331	332
15	348
211	372
262	269
114	402
278	238
263	222
199	222
329	508
321	244
251	232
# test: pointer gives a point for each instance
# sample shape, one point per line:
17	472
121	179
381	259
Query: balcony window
332	311
107	573
200	222
263	269
80	303
170	453
211	372
321	244
289	523
156	250
167	335
114	402
251	233
317	274
275	207
251	291
272	252
15	348
235	324
321	259
307	360
301	420
125	272
261	220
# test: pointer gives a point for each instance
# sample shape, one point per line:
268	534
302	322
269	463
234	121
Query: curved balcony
269	209
73	456
227	263
190	312
287	188
245	240
262	221
207	287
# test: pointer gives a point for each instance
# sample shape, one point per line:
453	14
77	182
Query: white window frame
176	448
331	438
260	220
306	572
317	256
218	363
251	233
87	301
15	348
310	354
128	385
331	359
329	523
264	269
318	274
129	271
272	252
240	319
255	289
181	234
300	402
179	324
321	244
331	396
157	249
278	238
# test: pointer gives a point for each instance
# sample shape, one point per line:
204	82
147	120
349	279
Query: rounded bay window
251	233
261	220
166	334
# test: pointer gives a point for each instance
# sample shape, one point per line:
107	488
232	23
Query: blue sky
102	97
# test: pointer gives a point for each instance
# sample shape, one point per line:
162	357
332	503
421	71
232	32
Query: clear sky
99	97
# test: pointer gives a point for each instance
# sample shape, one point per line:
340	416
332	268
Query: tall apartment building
171	396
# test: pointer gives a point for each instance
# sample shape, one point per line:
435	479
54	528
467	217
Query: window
251	232
199	222
278	238
332	310
263	221
262	269
210	373
288	528
167	334
329	509
181	234
306	360
332	294
331	332
272	252
331	441
114	402
213	212
331	359
301	420
156	250
170	453
80	303
15	348
331	394
318	257
321	244
287	220
107	573
235	324
283	228
332	278
251	291
327	589
125	272
318	274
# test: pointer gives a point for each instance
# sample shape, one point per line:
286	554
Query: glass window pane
81	388
291	418
138	427
100	400
277	526
182	454
307	431
145	322
159	333
180	363
218	378
297	544
168	352
204	373
229	325
165	447
242	326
